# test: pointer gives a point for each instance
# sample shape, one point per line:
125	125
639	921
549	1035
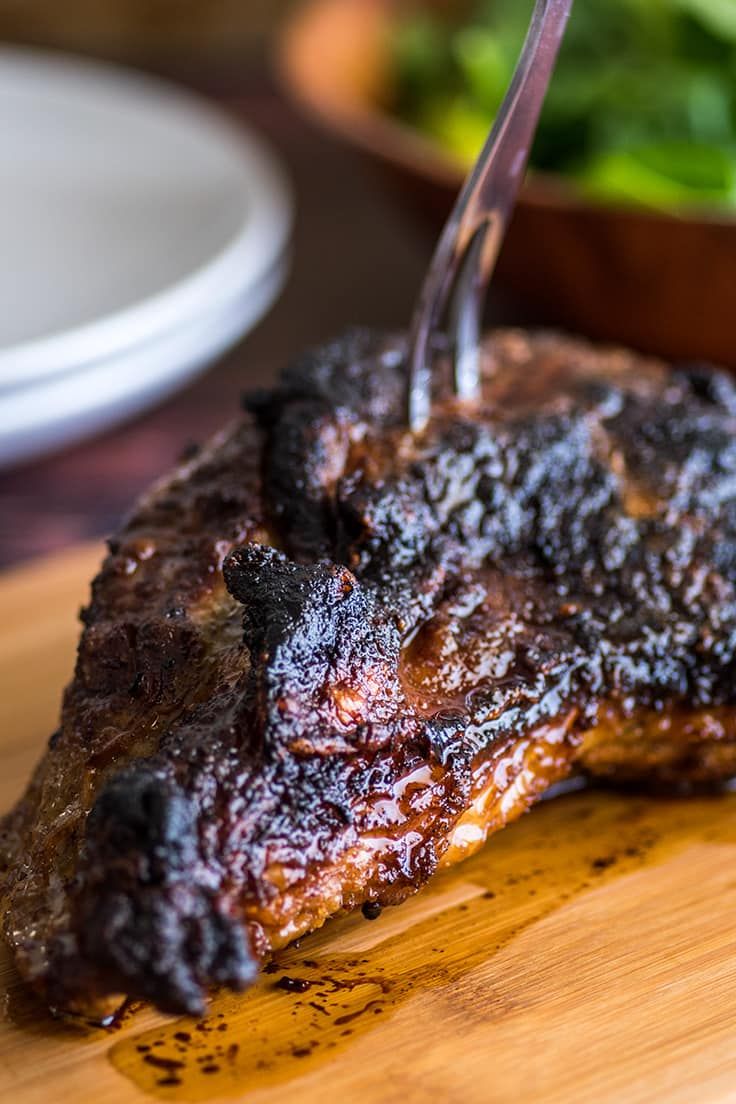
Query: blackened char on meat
327	657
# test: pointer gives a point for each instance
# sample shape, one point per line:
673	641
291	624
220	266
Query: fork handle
470	242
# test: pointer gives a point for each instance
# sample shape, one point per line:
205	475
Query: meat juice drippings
317	999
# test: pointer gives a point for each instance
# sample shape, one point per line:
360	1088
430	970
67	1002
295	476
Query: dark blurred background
172	34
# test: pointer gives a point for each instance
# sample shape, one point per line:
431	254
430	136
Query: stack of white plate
142	234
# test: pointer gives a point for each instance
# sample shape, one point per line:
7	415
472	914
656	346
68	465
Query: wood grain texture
586	954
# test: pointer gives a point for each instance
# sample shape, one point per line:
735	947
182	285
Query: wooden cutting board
587	954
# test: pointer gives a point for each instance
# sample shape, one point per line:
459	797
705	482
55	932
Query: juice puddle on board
348	979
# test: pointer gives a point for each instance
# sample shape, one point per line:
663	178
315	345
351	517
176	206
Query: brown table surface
358	257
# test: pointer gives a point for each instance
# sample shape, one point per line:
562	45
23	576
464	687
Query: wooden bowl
661	283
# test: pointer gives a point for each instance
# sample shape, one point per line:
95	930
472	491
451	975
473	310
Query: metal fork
455	285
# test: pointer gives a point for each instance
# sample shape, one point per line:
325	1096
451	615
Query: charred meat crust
324	650
142	912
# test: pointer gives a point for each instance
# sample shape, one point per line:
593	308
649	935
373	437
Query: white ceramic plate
58	411
127	207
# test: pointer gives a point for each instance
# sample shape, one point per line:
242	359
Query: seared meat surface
327	657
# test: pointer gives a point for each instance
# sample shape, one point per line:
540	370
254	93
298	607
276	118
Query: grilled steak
326	657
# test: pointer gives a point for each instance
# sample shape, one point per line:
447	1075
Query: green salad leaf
666	175
718	15
641	109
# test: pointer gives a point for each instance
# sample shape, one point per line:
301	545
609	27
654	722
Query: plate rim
208	335
246	258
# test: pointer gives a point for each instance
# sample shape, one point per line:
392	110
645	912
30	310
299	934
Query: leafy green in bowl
641	110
